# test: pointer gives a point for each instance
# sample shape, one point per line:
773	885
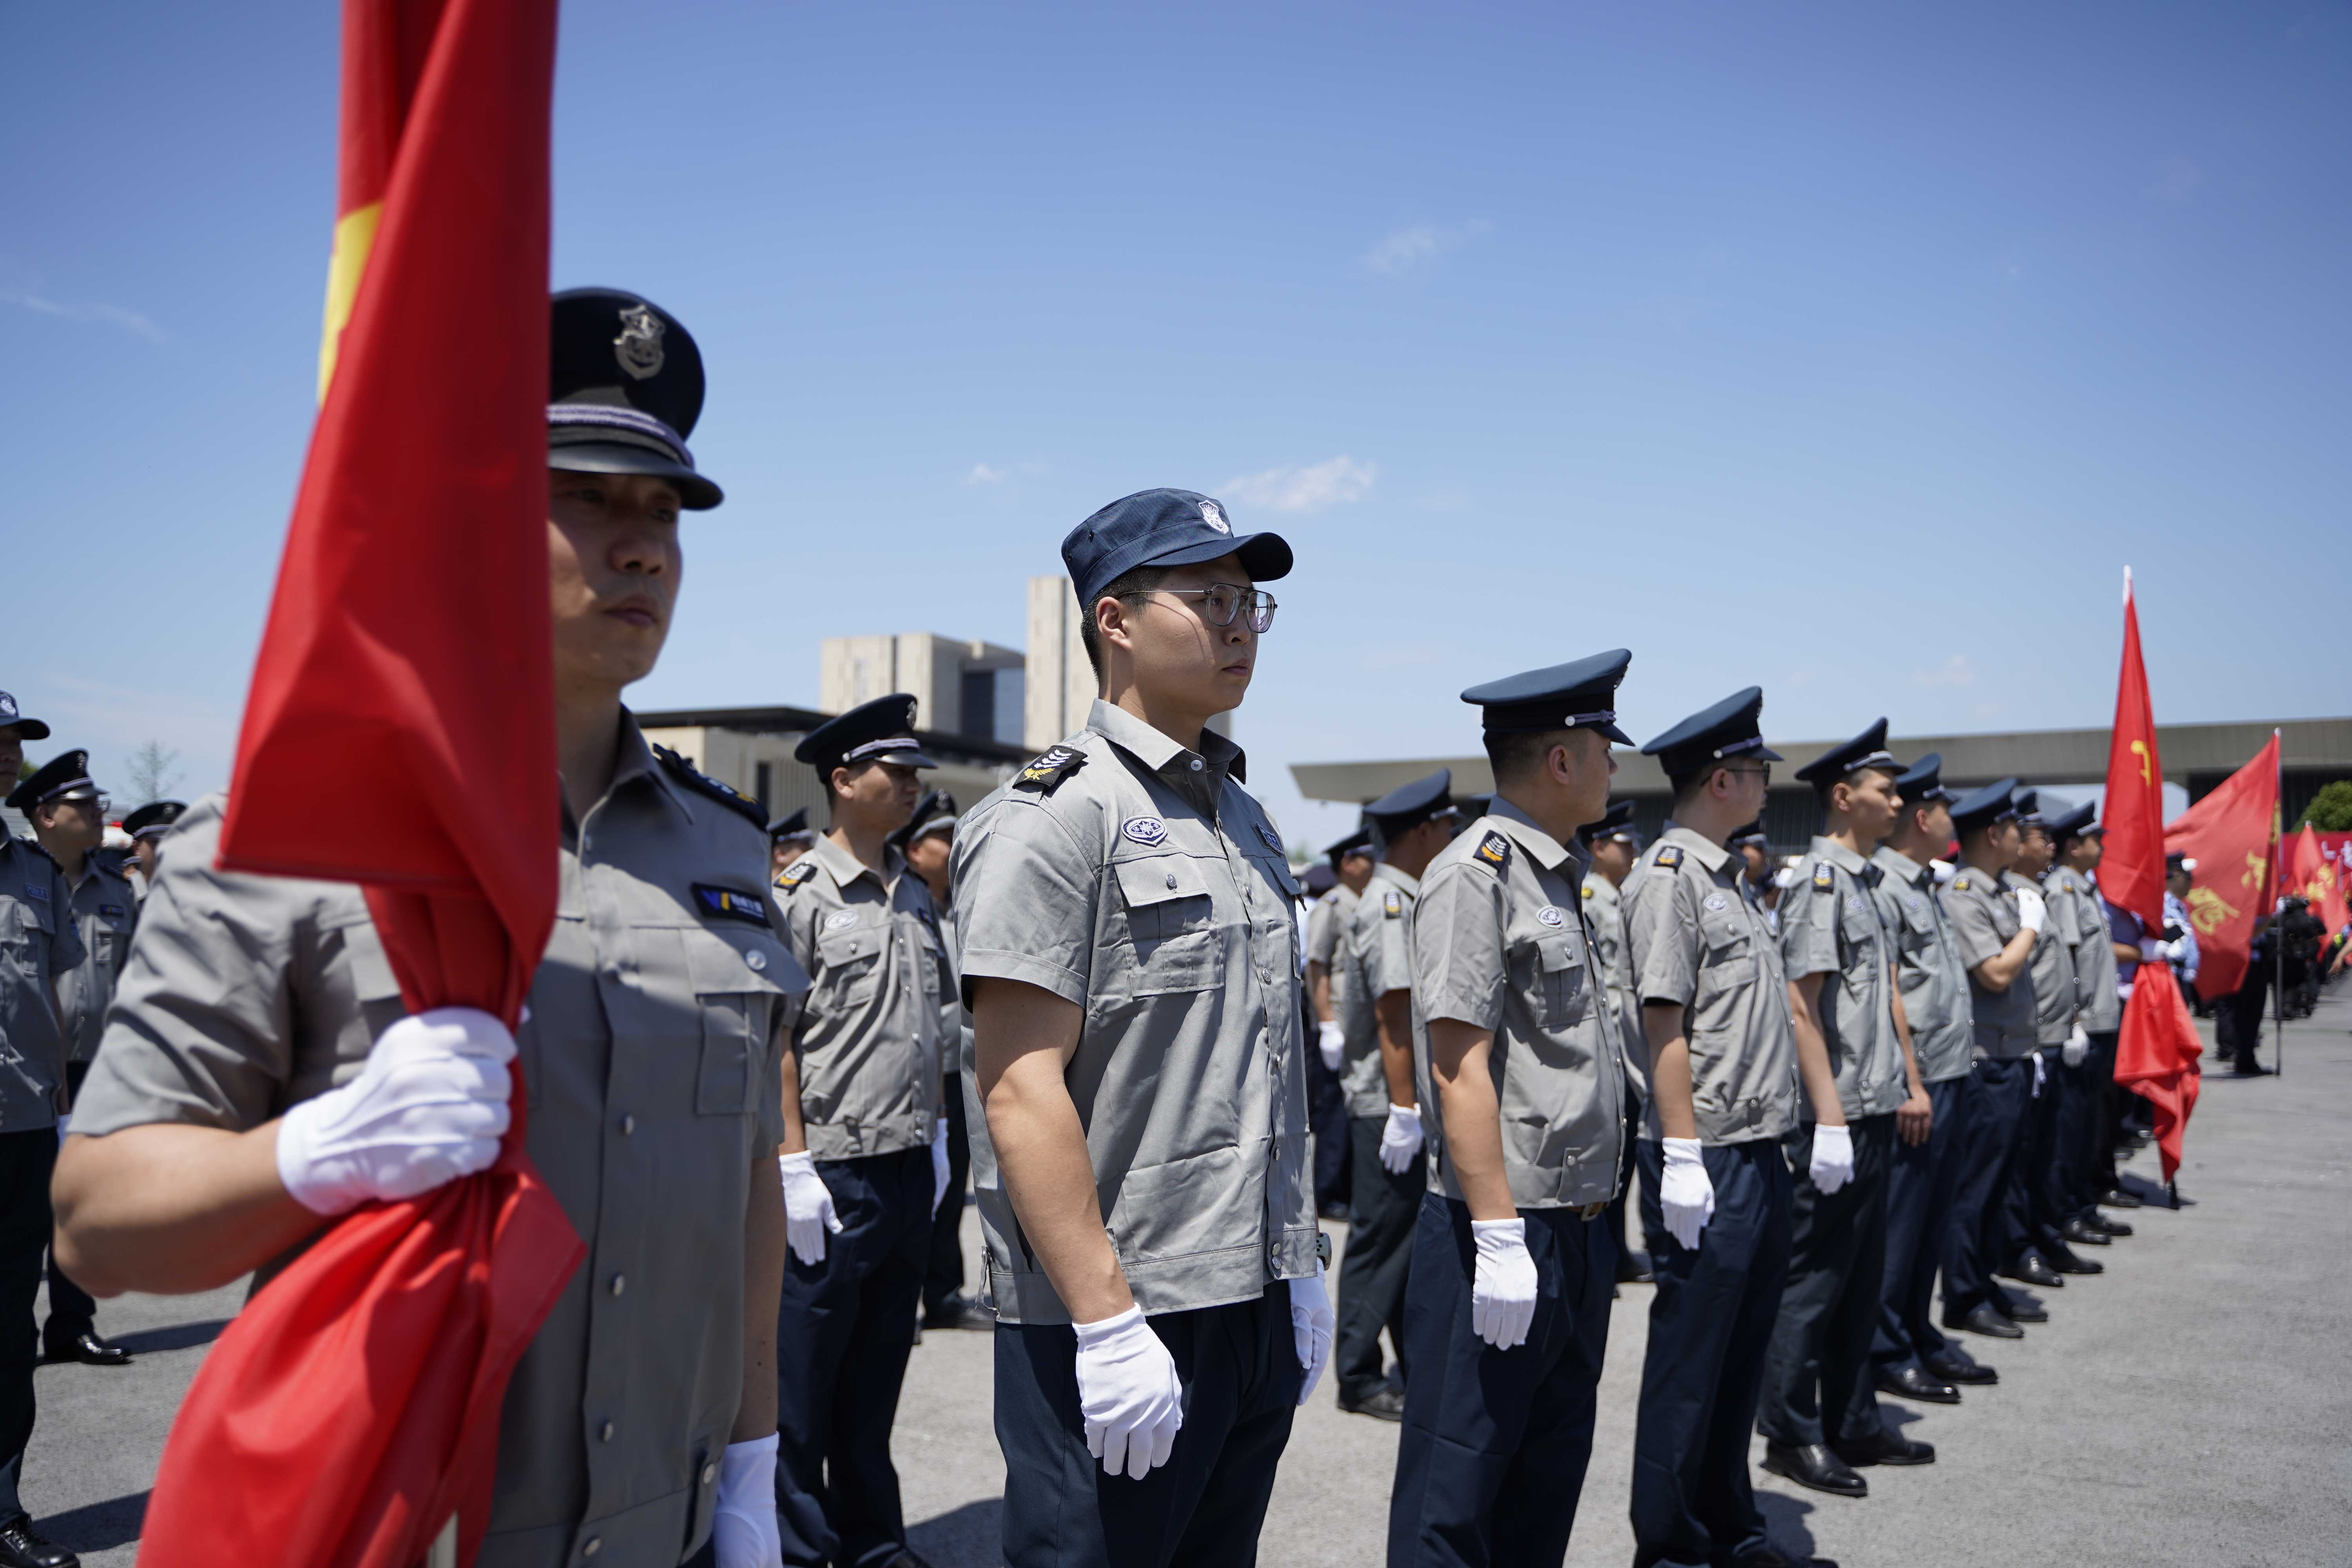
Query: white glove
743	1532
1128	1392
2037	1075
2152	949
808	1207
1312	1324
1503	1292
1683	1190
2174	952
1400	1139
429	1106
1331	1043
2077	1047
938	1163
2031	912
1832	1163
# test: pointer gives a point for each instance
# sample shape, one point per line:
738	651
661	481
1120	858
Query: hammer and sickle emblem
2139	750
2255	866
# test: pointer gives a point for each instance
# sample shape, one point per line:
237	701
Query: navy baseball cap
1163	528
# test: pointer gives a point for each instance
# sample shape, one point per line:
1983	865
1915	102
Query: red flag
2157	1059
2131	868
352	1408
2229	834
2305	868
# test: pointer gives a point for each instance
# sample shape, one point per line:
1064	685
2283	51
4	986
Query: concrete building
751	750
961	687
1061	682
2069	763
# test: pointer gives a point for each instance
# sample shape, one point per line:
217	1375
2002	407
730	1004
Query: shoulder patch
1392	906
731	904
1960	884
1494	850
1823	877
686	773
1044	771
1669	855
793	875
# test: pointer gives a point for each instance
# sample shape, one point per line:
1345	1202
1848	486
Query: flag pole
2278	932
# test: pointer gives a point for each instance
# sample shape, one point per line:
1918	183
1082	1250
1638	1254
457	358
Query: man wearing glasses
1130	958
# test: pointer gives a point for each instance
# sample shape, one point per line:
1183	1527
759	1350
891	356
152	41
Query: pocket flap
848	946
720	962
1156	879
1560	953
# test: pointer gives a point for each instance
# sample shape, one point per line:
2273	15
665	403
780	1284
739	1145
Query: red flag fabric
2229	834
2156	1059
399	733
2306	867
2131	867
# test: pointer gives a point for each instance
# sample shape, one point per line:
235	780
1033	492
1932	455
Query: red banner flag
2131	868
2157	1059
349	1417
2307	868
2229	834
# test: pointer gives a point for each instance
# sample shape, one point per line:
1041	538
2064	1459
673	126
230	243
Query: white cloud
1419	245
982	474
1953	671
1310	486
113	315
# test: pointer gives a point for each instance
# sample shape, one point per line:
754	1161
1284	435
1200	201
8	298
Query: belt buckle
1593	1211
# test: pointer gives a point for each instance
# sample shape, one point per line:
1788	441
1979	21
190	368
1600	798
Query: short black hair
1141	580
1514	753
1686	785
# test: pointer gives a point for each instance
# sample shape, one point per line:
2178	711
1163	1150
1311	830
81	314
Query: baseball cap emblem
8	706
638	348
1215	516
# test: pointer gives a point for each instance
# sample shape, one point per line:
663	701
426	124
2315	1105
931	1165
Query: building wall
931	667
734	757
1061	682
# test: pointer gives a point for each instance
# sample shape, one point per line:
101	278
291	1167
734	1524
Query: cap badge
638	348
1148	831
1215	516
1550	915
8	706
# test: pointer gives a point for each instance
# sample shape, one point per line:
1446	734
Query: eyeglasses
1761	770
1221	602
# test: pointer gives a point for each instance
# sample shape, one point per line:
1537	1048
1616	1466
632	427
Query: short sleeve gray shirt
39	944
105	912
1928	968
1376	955
2052	966
1981	914
1605	912
1829	926
2101	1009
1136	878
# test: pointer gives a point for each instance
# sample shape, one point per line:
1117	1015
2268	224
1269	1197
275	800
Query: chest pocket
24	928
1859	922
1171	924
849	957
737	993
1563	979
1729	948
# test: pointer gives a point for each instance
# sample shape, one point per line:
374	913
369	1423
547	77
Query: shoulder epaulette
1393	905
688	774
1960	884
793	875
1493	850
1823	877
1669	855
1045	773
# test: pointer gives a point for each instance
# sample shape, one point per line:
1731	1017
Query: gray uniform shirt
868	1038
651	1059
1982	913
1928	968
1376	951
105	912
1698	944
2053	967
1138	880
39	944
2073	899
1500	943
1829	926
1605	912
1325	920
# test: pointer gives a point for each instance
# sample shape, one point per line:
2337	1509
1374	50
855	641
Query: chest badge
1148	831
731	904
1273	840
1914	901
841	920
33	891
1552	915
1718	901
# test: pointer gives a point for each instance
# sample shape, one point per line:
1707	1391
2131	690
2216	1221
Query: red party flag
2229	834
2157	1059
400	733
2307	869
2131	869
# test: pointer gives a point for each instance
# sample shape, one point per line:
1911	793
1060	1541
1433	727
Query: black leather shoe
2116	1198
1913	1384
2030	1270
958	1311
2098	1221
1385	1403
2026	1312
2083	1235
1955	1366
1887	1449
1814	1466
1633	1269
1990	1320
21	1546
88	1349
2073	1263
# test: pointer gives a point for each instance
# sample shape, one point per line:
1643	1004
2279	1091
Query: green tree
2330	810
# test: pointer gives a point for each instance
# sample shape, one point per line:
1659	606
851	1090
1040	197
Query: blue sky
1850	349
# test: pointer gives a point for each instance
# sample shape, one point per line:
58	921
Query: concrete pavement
2192	1405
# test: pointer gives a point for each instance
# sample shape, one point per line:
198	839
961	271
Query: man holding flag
260	1073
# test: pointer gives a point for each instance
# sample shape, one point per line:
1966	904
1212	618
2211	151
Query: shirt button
620	1283
710	1473
628	1126
1196	764
604	1433
593	1545
757	960
1171	879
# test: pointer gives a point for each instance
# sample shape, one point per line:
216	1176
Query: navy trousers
2107	1113
1920	1186
1710	1326
1372	1274
26	1161
2030	1216
1491	1460
1817	1372
1993	1116
842	1334
1202	1509
943	1274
